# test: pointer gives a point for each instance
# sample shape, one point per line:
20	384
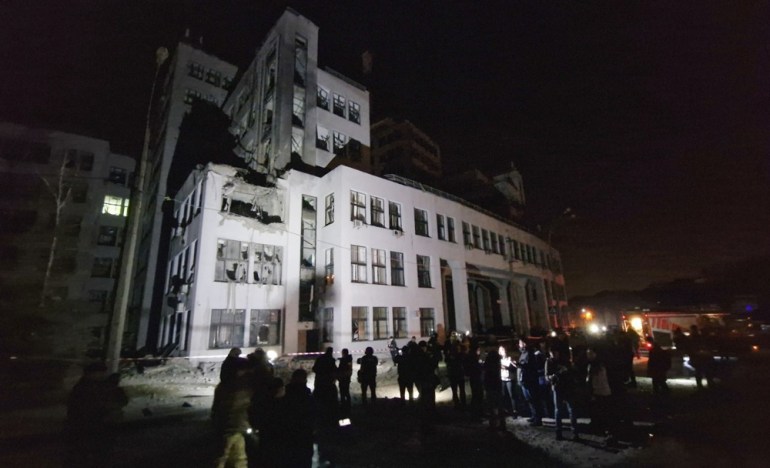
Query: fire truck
661	324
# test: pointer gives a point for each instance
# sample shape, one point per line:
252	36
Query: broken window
340	140
357	206
339	105
300	60
231	262
115	206
330	208
358	264
354	150
322	98
265	327
296	143
329	266
378	211
270	73
322	138
298	108
108	235
227	328
267	118
354	112
266	264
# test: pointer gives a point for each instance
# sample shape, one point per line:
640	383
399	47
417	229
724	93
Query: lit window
115	206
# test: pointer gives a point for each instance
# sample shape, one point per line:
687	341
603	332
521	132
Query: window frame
423	271
421	227
358	264
397	277
427	321
380	323
377	207
379	267
213	343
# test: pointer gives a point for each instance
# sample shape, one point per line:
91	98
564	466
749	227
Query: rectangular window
265	327
339	105
493	241
357	206
328	323
266	263
360	325
378	211
399	322
231	261
397	269
354	112
421	222
115	206
358	264
118	175
450	223
441	226
322	98
427	321
322	138
227	328
516	251
329	266
476	237
378	267
196	70
213	77
394	213
467	235
330	208
102	268
380	323
485	240
108	235
340	142
86	161
423	271
501	244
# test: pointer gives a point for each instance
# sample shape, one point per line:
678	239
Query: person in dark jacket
474	372
344	375
528	376
367	374
658	365
298	418
325	389
94	408
561	377
229	365
230	418
406	371
455	367
493	388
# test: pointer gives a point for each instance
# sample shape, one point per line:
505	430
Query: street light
118	320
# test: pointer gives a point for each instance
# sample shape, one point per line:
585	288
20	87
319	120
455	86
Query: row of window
337	105
190	207
181	268
228	328
209	75
379	323
248	262
359	266
190	95
341	144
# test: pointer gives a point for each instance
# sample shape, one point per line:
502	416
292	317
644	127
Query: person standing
561	377
602	418
324	389
474	372
229	415
406	371
493	387
344	375
507	376
298	416
529	381
658	365
367	374
393	348
455	362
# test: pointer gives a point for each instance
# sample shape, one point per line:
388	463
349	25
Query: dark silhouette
455	367
344	375
367	374
230	418
406	371
325	390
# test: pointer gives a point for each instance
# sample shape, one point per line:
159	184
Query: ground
166	424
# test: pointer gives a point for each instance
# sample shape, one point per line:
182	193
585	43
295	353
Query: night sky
648	118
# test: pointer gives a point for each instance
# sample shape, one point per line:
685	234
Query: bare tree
61	195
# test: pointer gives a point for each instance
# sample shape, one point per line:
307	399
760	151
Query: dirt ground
166	424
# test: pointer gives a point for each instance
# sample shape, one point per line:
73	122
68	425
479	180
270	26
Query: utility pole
119	313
